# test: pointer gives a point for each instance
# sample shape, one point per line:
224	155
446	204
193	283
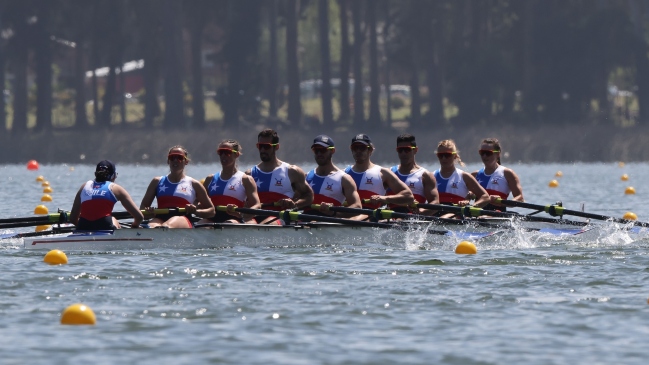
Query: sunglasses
487	153
176	158
445	154
266	146
317	150
226	151
405	149
360	147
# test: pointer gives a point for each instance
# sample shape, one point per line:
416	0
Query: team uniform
414	181
272	186
172	195
495	184
368	183
97	202
326	189
452	190
224	192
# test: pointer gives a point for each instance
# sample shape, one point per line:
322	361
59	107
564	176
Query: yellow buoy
46	198
71	168
48	189
630	216
620	164
630	190
624	177
553	184
40	178
78	314
41	209
466	248
558	174
45	183
56	257
42	228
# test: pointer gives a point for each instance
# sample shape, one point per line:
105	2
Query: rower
331	185
176	190
278	183
499	181
453	184
420	181
94	202
231	187
372	181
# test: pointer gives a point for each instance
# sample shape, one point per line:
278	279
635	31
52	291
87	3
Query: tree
272	62
345	60
325	60
174	110
196	16
359	37
43	59
292	66
375	112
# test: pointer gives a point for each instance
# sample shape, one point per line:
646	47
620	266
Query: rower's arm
208	181
252	198
402	194
205	208
351	196
302	192
514	185
76	207
481	195
123	196
147	200
430	191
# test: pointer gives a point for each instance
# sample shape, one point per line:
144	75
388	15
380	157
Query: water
580	300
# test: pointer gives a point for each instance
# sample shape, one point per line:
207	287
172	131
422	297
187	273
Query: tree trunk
21	56
95	95
325	64
415	97
434	79
292	66
273	70
43	59
375	93
198	100
345	60
81	118
174	111
3	105
359	106
105	116
121	97
151	104
386	32
528	59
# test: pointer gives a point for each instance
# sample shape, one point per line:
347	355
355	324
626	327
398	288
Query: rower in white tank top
452	189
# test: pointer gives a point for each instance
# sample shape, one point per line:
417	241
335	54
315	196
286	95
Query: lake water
579	300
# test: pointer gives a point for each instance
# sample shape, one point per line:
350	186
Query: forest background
554	80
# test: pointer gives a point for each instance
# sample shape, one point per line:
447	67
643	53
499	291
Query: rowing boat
229	235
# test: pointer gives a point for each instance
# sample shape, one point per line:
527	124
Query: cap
323	140
106	165
176	153
362	138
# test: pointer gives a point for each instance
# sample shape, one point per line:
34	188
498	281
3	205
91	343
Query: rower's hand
190	209
230	209
493	199
324	207
286	204
463	203
378	199
149	212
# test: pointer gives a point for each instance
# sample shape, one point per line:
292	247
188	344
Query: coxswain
176	190
280	185
231	187
94	202
498	180
331	185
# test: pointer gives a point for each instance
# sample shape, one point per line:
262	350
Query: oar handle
158	211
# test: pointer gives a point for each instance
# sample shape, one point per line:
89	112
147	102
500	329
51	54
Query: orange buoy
32	165
553	184
40	178
629	191
46	198
41	209
45	183
624	177
558	174
630	216
48	189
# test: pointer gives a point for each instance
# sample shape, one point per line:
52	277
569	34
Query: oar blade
564	231
468	235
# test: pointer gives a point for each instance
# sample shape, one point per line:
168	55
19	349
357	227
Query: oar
477	212
558	211
56	230
172	211
60	217
291	216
